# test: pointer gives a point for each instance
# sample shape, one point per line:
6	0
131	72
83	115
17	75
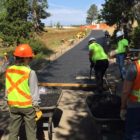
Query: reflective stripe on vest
135	95
17	86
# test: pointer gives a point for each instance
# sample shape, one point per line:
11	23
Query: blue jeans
132	126
120	61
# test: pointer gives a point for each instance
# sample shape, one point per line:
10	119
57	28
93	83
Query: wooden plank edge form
66	85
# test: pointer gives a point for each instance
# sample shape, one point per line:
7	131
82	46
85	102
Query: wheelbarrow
49	102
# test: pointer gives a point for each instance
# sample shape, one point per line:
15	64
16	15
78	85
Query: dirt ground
76	122
72	120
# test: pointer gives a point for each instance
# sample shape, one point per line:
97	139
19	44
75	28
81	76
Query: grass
54	37
55	40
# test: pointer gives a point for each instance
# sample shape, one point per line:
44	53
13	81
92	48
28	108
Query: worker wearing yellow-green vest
121	52
22	94
99	60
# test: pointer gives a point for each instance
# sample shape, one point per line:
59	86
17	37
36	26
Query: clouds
68	13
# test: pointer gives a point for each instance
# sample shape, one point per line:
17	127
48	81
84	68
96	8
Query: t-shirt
122	45
98	52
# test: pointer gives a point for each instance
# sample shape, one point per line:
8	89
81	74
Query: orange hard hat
23	50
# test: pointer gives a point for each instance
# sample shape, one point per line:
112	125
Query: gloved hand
123	114
38	115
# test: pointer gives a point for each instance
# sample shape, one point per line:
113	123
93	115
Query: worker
5	62
121	52
107	35
5	57
130	102
99	60
22	94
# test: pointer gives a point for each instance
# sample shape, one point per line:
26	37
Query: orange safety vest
18	91
135	95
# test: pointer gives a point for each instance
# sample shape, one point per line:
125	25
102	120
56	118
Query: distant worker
121	52
99	61
130	104
107	35
22	94
5	62
5	57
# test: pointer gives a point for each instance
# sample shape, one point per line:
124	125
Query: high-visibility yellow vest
18	91
134	96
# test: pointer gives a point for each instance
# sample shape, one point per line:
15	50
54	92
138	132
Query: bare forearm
124	100
127	88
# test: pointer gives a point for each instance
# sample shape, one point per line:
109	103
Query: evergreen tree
118	11
92	14
38	12
14	25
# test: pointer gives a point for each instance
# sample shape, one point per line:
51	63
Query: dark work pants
17	117
100	69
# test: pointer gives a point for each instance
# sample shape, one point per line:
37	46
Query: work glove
38	115
123	114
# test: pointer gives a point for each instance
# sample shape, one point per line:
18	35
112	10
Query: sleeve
33	84
90	47
131	72
126	42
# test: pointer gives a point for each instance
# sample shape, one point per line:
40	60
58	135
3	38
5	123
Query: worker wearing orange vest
22	94
130	105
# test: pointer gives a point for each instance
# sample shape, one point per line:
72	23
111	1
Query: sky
69	12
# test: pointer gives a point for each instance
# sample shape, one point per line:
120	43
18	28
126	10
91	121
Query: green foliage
117	11
92	14
136	37
38	12
58	25
14	26
38	46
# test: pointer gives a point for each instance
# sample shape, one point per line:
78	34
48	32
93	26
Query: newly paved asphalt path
74	63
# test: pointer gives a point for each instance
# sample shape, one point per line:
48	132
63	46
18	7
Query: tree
92	14
38	12
136	11
14	25
117	11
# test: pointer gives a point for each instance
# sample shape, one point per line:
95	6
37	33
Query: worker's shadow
40	128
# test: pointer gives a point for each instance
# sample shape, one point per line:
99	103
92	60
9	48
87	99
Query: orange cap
23	50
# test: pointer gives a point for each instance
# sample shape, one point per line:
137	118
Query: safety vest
98	52
134	96
18	91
